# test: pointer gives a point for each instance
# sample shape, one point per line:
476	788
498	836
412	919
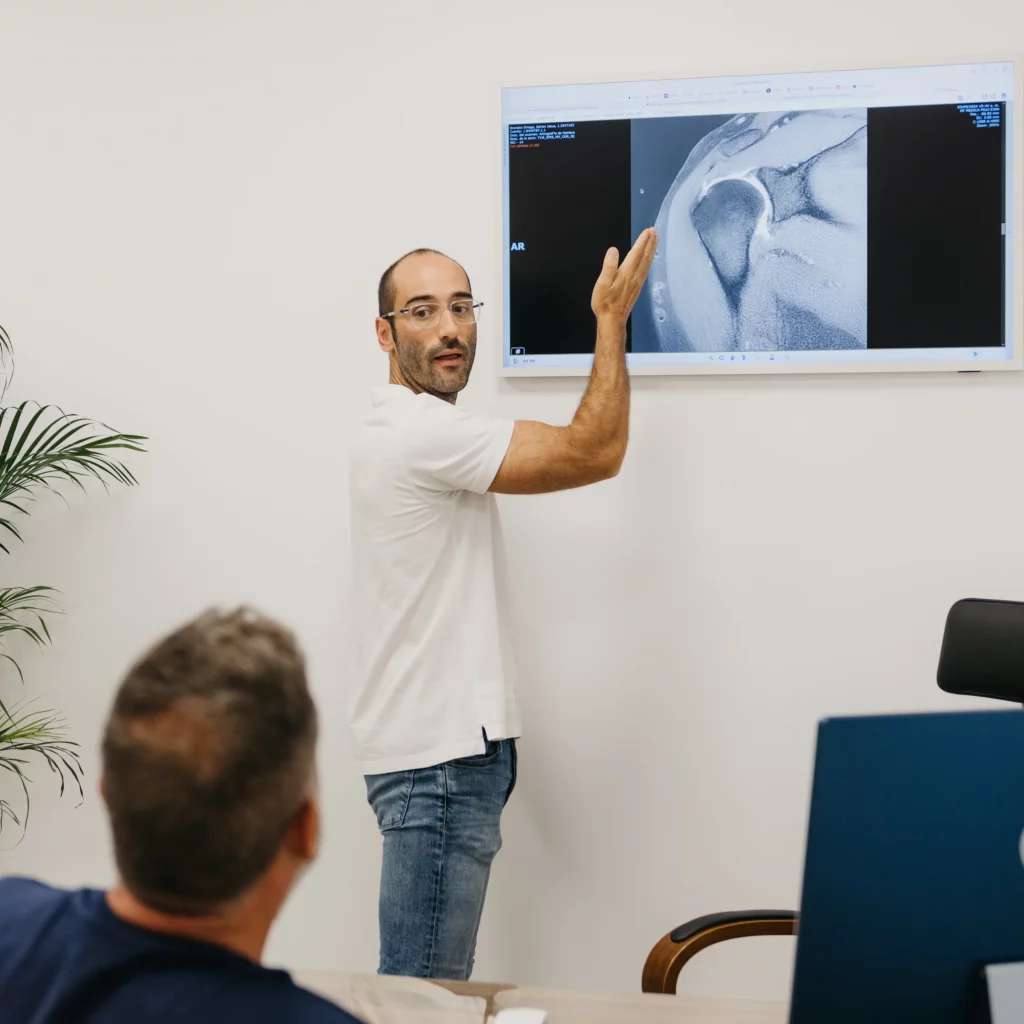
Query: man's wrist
611	322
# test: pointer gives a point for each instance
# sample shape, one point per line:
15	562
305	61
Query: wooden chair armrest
671	953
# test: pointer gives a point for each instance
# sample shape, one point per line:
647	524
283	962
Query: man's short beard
424	374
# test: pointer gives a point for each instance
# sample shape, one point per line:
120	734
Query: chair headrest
983	650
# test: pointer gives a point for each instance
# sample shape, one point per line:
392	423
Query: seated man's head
209	769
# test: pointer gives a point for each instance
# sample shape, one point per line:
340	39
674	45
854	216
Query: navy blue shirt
65	956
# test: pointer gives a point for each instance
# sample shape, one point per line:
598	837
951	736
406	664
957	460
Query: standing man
434	719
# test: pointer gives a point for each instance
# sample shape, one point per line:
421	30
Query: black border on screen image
568	202
936	240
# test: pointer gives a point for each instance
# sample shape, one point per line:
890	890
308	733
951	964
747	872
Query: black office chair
983	650
982	656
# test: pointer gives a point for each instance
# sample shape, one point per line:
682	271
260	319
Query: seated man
210	783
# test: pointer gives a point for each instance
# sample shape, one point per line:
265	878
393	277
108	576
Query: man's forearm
600	428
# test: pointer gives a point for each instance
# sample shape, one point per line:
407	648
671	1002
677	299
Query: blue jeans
441	829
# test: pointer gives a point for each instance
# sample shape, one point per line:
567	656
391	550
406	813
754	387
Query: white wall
197	200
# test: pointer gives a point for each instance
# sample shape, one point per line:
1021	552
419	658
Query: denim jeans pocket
388	795
514	769
488	757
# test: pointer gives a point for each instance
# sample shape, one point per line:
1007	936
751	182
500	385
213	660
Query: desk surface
563	1006
568	1007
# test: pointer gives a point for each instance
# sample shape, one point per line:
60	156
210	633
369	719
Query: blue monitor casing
913	876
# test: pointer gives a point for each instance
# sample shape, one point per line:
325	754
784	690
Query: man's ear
103	788
303	836
385	338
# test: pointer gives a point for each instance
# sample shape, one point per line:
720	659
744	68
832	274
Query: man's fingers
638	248
609	268
649	251
640	259
622	284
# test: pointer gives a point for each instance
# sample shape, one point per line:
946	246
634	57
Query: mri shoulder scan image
764	237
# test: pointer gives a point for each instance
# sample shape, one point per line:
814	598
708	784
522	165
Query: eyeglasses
428	314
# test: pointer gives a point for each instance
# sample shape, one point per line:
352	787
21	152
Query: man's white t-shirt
435	661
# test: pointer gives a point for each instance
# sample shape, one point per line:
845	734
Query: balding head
207	758
387	297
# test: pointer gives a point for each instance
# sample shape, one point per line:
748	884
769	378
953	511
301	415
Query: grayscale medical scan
764	236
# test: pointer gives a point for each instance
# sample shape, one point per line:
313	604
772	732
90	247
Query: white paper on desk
1005	993
567	1007
388	999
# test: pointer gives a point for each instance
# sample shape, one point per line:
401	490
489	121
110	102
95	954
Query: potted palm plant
42	449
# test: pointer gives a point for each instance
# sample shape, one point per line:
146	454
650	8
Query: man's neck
240	928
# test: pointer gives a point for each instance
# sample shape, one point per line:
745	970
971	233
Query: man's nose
447	328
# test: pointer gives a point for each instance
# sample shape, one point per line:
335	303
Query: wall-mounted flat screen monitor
809	221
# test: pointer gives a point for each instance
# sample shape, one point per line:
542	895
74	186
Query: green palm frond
44	447
7	811
21	613
28	735
7	370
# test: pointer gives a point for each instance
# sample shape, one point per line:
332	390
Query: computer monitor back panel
913	875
